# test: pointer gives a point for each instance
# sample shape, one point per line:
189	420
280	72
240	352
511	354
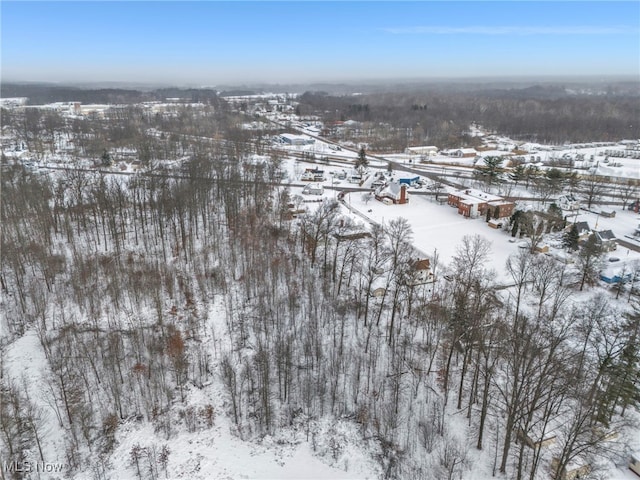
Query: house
568	202
464	153
424	150
376	184
312	175
420	272
394	193
473	203
355	177
583	231
606	240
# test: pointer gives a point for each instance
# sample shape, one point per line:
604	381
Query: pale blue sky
214	42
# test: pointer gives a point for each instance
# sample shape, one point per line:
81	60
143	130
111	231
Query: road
631	246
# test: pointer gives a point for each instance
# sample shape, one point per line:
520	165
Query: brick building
474	203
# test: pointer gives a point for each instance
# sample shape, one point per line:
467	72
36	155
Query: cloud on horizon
512	30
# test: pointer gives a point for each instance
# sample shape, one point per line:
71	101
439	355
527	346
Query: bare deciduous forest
392	121
143	288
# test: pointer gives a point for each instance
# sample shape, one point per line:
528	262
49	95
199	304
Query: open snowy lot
439	228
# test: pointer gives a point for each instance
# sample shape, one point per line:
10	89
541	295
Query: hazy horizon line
350	81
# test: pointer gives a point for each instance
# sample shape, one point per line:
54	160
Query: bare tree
592	189
628	190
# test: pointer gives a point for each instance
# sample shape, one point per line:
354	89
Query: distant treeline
538	113
433	113
40	94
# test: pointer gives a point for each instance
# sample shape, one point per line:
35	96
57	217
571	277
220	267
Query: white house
568	202
462	153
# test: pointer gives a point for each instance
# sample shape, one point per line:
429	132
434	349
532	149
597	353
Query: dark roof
583	227
606	235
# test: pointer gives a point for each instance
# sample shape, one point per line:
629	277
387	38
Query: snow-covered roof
423	149
606	235
392	190
470	195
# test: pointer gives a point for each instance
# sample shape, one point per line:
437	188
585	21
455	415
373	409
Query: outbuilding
313	189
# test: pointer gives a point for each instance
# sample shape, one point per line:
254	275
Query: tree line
442	118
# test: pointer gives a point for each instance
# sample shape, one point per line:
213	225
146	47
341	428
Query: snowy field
440	228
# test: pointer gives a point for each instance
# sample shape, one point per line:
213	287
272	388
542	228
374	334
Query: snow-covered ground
331	449
440	228
328	449
217	453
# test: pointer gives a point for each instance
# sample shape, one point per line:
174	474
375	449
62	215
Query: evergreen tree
518	174
362	162
106	159
491	170
571	238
